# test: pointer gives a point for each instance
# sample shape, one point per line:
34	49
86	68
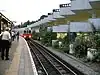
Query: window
24	31
29	31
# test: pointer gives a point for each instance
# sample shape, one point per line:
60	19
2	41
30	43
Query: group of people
6	38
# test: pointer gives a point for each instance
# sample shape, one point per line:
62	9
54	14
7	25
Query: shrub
56	44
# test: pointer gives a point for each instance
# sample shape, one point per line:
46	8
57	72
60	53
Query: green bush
81	45
66	49
56	44
65	44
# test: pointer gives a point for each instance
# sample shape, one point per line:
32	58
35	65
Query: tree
42	17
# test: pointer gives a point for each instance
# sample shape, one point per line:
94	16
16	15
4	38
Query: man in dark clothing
1	40
17	36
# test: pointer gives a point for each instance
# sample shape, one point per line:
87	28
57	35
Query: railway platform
20	62
73	61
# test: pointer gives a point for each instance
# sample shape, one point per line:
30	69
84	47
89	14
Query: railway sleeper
60	68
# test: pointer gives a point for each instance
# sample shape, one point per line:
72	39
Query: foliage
54	36
56	44
46	36
80	45
65	40
97	41
65	44
97	57
24	24
42	17
83	42
35	35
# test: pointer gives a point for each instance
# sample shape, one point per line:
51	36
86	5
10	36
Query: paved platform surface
73	61
20	62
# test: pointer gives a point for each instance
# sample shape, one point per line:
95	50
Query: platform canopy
34	24
65	10
45	20
56	14
95	4
60	28
5	19
50	17
73	12
80	27
95	22
5	22
80	5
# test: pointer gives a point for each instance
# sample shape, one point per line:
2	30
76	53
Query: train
26	33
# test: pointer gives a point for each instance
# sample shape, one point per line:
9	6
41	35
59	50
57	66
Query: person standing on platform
17	36
5	44
13	35
1	40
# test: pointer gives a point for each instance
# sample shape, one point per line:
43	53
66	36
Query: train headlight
29	36
24	36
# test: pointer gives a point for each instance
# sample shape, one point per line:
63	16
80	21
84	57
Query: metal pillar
68	31
0	23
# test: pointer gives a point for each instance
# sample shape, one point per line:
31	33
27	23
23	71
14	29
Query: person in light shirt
13	35
5	43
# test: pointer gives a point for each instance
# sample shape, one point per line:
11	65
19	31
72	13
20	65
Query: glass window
24	31
29	31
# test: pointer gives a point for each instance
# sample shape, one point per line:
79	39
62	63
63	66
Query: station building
5	22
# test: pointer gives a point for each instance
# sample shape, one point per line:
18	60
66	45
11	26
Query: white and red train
25	32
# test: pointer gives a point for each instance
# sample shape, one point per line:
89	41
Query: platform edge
32	62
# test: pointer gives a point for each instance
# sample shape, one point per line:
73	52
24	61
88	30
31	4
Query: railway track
49	64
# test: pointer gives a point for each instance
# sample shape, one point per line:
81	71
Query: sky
23	10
